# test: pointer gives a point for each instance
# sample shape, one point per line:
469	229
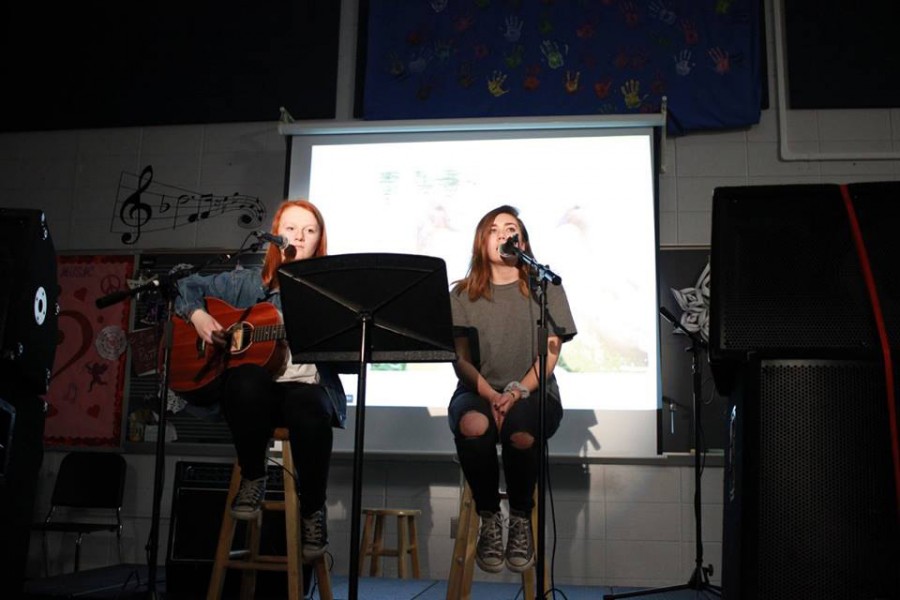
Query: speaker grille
826	523
198	501
785	272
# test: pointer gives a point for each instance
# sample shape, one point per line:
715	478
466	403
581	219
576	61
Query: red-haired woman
307	398
497	400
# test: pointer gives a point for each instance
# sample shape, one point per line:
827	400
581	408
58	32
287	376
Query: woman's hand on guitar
209	330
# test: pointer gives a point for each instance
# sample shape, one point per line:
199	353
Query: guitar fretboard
267	333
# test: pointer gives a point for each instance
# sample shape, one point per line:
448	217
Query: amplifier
198	503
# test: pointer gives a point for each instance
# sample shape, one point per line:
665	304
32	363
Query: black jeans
478	455
254	405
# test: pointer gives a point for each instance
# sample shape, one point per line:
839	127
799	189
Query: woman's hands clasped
500	405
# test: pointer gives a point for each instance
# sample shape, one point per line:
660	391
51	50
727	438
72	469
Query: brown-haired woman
496	401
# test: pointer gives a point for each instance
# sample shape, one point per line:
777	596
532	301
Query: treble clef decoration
135	213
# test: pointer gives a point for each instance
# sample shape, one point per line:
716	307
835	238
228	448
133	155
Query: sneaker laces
313	530
251	492
490	537
519	540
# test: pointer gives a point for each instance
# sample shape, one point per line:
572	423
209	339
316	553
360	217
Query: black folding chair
88	484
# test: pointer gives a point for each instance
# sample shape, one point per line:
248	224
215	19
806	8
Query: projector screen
585	191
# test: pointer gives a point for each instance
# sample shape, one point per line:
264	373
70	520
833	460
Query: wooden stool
373	545
459	584
250	561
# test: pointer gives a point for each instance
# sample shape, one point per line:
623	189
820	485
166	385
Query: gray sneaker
247	504
520	545
314	535
489	551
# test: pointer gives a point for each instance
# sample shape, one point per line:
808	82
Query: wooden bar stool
459	584
250	561
373	541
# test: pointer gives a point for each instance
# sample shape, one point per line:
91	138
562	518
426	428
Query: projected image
588	204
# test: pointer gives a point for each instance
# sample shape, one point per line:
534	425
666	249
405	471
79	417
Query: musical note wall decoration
143	205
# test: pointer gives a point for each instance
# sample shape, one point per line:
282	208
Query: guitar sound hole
241	337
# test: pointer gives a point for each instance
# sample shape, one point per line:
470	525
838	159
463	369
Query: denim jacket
242	288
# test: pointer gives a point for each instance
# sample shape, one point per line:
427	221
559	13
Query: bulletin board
87	383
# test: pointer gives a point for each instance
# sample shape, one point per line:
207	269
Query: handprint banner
474	58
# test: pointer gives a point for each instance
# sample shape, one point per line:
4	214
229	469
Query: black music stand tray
367	308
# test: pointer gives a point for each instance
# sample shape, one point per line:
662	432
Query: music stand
367	308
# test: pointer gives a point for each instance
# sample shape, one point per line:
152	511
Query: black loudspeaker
21	433
7	427
786	275
198	501
29	295
810	510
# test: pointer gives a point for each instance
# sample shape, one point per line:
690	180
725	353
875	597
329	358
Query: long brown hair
477	281
273	254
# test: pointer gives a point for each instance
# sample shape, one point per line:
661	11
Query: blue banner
430	59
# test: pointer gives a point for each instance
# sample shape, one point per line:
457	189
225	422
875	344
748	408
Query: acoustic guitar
255	335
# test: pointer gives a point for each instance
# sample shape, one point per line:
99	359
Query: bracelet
515	385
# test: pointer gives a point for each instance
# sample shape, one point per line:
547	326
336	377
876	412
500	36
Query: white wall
618	524
615	524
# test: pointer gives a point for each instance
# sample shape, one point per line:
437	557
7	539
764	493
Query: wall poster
88	379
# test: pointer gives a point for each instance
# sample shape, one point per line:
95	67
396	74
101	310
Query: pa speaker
786	275
29	292
198	501
809	507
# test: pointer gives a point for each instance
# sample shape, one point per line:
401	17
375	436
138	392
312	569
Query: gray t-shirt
507	328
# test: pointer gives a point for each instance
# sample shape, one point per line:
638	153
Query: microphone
510	247
276	240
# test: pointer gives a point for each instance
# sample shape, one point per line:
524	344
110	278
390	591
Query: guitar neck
267	333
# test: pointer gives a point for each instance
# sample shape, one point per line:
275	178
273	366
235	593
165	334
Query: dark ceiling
98	64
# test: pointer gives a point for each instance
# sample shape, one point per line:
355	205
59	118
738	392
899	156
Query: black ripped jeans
478	455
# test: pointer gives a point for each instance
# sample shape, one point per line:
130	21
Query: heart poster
88	378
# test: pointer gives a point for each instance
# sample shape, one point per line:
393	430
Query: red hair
273	254
477	281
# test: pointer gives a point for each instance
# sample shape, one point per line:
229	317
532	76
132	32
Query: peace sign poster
88	377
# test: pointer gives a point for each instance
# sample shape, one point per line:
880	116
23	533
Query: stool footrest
386	552
255	566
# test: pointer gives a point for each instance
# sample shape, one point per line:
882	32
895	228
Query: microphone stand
167	287
699	581
541	275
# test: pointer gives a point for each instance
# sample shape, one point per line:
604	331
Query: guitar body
256	334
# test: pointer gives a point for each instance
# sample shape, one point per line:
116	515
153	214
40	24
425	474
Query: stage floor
130	581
